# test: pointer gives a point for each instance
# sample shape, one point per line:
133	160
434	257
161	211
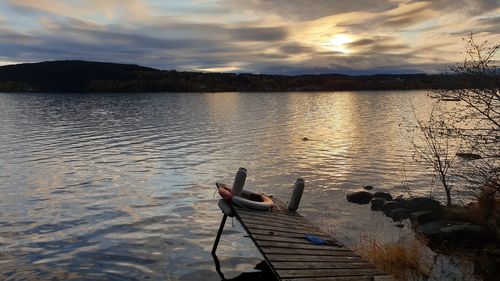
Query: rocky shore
470	232
442	227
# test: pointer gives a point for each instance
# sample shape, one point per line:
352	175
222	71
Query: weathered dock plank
343	278
275	244
272	219
316	252
255	221
256	226
297	273
272	233
280	237
321	265
312	258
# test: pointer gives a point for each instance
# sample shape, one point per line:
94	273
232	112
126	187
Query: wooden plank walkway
279	236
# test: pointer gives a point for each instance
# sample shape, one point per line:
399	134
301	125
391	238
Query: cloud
491	25
313	9
393	20
295	48
378	45
288	37
356	65
406	15
109	9
463	6
77	39
259	34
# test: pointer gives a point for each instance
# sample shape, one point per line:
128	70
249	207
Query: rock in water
379	194
452	233
400	214
377	203
391	205
400	199
422	204
368	187
359	197
421	217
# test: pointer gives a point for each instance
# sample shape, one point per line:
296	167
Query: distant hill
62	76
83	76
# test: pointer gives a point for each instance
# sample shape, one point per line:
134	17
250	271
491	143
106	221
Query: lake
121	186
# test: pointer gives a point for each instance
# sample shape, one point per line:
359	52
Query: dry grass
485	211
404	259
487	208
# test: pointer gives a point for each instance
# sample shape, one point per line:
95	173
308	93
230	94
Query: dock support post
214	248
221	227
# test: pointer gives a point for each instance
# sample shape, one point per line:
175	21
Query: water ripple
121	186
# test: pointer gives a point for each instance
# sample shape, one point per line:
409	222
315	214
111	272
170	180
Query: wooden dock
280	237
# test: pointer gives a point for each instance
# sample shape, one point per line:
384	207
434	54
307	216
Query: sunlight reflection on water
120	186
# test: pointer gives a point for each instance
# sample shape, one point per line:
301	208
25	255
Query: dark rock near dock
359	197
386	195
422	217
391	205
377	203
422	204
400	214
400	199
368	187
444	233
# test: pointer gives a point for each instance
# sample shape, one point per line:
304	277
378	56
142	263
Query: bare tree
474	119
465	122
433	146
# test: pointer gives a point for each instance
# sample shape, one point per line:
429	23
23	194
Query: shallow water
121	186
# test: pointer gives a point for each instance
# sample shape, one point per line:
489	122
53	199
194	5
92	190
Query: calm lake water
121	186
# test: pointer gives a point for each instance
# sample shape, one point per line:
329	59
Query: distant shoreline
101	77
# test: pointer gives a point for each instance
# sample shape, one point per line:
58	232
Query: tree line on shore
84	76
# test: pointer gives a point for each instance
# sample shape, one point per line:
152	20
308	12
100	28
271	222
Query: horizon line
221	72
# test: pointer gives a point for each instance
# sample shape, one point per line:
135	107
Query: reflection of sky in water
121	186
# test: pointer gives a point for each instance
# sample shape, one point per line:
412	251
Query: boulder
445	233
368	187
400	199
377	203
399	214
422	204
391	205
359	197
421	217
386	195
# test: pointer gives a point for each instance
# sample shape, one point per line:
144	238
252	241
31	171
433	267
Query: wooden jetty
280	237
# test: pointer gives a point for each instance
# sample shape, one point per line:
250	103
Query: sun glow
7	62
219	69
337	43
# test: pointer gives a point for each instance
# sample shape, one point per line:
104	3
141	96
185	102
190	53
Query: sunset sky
259	36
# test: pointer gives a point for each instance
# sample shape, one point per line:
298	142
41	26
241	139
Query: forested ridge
84	76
